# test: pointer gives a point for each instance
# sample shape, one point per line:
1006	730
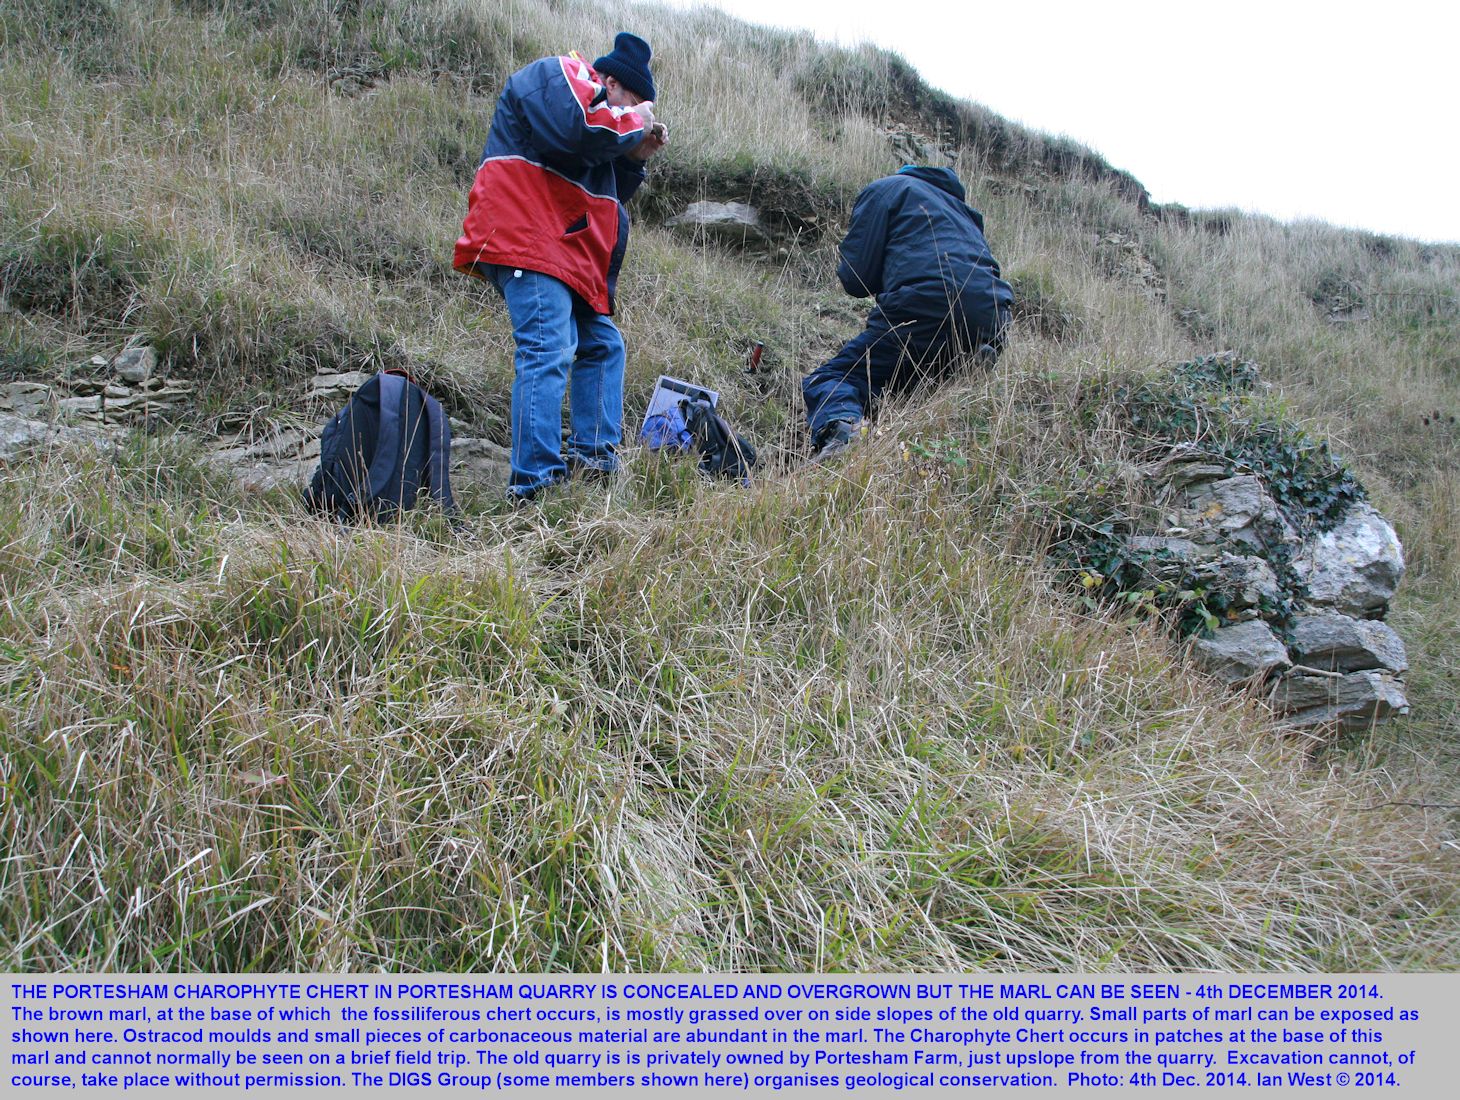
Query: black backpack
391	439
723	453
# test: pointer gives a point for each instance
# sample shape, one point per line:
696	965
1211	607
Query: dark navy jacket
549	194
917	246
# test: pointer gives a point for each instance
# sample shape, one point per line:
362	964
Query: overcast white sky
1345	112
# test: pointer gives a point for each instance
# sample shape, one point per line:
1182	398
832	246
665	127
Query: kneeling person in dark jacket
919	248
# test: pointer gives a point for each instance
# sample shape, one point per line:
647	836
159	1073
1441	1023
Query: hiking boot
588	473
836	438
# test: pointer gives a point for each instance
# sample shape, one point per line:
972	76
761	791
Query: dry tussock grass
832	721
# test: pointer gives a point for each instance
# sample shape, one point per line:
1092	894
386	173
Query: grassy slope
841	719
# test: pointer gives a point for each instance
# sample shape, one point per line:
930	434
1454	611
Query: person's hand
645	111
657	138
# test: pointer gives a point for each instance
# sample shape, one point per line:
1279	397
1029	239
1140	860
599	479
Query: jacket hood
945	179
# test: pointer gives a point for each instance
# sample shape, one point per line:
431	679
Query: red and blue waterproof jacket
549	194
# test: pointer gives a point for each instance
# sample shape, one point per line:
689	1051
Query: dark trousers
885	359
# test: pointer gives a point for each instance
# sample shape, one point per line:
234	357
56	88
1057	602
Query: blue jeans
558	340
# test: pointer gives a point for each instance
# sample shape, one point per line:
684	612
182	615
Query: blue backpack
389	441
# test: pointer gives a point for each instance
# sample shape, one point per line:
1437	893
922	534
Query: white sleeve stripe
585	76
545	168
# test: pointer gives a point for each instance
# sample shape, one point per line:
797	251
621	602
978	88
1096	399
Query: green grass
845	718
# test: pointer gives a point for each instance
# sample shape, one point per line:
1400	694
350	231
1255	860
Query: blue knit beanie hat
629	62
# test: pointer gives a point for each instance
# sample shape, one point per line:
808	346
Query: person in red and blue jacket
546	224
915	245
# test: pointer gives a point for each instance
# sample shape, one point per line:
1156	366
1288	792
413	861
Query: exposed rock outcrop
20	435
123	391
1301	610
731	222
126	392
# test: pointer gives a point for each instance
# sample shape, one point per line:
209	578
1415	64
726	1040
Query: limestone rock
1355	568
18	435
912	147
286	457
480	462
335	389
27	399
1355	700
1192	472
81	408
1244	651
1181	549
1167	559
1336	643
1231	510
1248	582
136	365
1224	534
1171	466
113	403
734	222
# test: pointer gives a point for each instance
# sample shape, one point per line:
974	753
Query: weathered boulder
1243	651
1332	642
733	222
1356	567
1354	700
336	388
480	462
19	435
1231	537
27	399
1234	511
1247	581
135	365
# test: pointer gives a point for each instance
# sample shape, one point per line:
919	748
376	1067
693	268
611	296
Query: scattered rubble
126	392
